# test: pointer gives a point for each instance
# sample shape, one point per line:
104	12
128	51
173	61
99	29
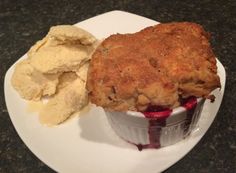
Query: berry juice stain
157	120
190	105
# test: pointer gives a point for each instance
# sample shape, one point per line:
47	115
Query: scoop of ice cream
45	42
61	35
66	79
82	71
70	99
31	84
60	58
64	49
68	33
57	66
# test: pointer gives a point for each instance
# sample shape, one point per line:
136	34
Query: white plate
87	143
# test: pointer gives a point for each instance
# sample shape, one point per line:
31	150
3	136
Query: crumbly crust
156	66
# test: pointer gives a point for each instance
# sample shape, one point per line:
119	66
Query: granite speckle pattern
22	23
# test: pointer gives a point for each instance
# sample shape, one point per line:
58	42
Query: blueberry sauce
157	119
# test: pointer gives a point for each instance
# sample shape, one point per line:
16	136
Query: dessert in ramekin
157	127
153	83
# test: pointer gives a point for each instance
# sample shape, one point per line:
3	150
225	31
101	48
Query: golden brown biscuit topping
156	66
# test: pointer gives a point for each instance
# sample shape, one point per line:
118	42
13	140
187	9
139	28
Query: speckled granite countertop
24	22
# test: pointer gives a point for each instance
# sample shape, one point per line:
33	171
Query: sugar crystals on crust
156	66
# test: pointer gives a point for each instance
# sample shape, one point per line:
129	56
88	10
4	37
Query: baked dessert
159	65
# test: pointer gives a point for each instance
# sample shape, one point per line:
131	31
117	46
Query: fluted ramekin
147	130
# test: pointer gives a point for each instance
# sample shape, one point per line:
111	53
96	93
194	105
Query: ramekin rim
175	111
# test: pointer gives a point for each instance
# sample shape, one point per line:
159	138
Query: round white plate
87	143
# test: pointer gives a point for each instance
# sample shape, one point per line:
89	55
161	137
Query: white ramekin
145	132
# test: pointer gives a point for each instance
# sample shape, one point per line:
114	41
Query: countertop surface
22	23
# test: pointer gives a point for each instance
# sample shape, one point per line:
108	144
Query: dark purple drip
157	119
157	112
190	105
